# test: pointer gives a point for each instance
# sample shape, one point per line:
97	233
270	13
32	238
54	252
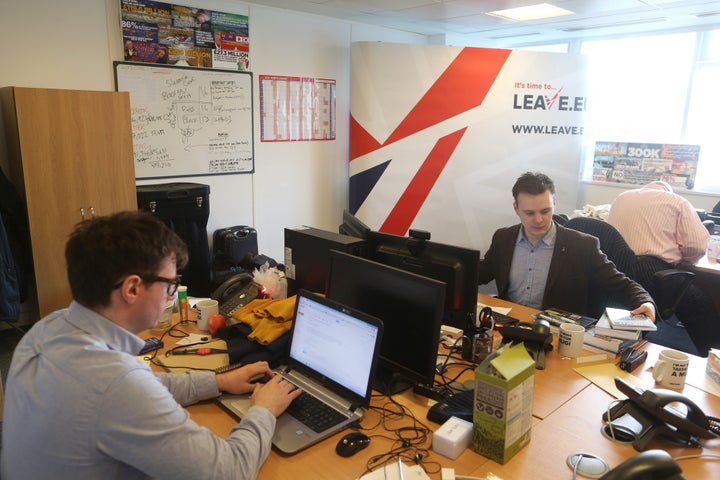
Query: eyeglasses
172	287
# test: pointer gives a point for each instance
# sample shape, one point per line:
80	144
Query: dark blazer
581	279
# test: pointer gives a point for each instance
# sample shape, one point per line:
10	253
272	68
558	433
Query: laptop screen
337	343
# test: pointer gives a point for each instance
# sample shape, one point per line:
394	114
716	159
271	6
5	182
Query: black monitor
457	267
411	308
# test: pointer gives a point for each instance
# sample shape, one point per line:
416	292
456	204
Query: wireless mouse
352	443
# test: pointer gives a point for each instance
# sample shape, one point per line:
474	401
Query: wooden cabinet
70	156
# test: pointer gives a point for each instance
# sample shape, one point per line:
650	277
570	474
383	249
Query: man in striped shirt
665	231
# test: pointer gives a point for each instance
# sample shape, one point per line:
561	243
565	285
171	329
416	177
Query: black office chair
560	218
668	286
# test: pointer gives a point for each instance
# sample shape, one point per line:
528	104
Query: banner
642	163
438	135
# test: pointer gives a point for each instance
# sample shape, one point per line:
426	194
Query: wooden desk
707	265
567	413
707	277
575	427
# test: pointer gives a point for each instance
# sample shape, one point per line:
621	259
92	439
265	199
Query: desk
707	277
567	412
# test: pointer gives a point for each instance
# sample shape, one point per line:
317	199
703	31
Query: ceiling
465	22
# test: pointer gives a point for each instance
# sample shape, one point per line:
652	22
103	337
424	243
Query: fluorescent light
531	12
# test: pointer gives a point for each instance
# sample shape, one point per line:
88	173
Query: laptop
332	358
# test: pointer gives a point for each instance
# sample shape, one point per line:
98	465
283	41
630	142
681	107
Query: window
653	89
636	89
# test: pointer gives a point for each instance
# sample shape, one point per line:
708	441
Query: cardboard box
502	412
713	366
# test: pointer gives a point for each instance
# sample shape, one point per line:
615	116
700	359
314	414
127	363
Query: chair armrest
671	285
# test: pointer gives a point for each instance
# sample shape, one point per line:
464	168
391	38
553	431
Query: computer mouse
352	443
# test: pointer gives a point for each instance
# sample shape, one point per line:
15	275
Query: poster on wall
165	33
296	108
439	134
642	163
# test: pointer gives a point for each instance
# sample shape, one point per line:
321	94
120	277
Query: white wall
72	44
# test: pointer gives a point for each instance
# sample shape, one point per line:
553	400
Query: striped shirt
659	223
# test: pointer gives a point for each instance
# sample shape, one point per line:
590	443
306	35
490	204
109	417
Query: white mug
205	308
570	339
671	369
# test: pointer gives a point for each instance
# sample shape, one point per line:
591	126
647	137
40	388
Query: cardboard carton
502	412
713	366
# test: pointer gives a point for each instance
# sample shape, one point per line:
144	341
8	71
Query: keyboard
459	405
504	319
315	414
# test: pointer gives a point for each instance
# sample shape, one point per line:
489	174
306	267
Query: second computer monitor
458	267
411	308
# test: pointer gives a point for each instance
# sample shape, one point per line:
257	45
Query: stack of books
617	330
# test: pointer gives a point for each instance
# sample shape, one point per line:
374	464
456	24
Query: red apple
216	321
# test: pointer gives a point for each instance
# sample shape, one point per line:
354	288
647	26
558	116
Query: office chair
560	218
668	285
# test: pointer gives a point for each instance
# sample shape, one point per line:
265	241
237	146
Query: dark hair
533	183
102	251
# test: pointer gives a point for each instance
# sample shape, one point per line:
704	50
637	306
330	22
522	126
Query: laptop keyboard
314	413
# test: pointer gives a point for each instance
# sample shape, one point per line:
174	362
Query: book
621	319
556	316
609	344
603	327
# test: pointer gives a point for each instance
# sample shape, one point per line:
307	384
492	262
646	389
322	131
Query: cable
700	455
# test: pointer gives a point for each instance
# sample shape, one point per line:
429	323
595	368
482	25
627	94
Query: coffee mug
205	308
570	340
671	369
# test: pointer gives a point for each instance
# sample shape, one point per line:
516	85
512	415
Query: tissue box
713	366
502	411
452	437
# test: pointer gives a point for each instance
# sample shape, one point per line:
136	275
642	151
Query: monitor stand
388	382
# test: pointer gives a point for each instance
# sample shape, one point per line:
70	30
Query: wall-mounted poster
165	33
641	163
296	108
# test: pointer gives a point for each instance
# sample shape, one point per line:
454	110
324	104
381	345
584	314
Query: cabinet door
76	149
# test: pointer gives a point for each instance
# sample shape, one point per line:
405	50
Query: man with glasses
80	405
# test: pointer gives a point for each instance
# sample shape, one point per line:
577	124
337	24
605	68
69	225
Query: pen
554	320
402	477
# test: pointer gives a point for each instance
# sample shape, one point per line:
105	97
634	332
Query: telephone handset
235	292
655	464
654	415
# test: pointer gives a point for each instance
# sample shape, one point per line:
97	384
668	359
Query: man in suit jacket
541	264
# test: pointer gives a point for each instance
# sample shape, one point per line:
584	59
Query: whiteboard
188	121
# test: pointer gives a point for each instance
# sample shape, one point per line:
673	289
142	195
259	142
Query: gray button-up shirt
79	404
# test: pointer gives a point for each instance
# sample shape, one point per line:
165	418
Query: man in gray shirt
80	405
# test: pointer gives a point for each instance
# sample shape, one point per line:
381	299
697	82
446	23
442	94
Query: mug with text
570	339
205	308
671	369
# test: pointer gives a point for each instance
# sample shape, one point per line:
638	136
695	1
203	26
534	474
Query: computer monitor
457	267
411	308
353	226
